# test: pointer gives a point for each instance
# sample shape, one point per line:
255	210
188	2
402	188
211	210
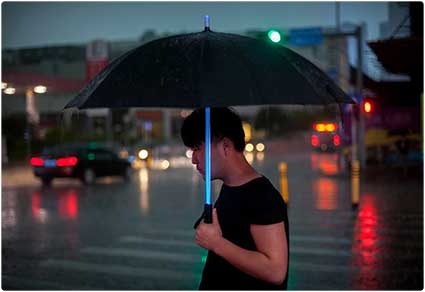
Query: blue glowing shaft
207	157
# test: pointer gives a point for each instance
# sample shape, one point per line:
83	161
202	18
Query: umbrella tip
207	23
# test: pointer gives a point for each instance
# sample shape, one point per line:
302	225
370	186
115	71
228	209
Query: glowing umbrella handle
208	206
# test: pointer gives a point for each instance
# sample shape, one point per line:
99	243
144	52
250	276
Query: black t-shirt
256	202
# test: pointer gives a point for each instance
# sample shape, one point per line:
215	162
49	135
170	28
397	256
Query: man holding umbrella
248	238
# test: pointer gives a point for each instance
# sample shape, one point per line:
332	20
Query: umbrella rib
289	61
85	93
188	60
248	68
309	82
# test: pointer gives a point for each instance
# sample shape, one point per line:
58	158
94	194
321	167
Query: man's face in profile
198	159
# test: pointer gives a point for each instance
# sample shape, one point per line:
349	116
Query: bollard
284	182
355	184
149	161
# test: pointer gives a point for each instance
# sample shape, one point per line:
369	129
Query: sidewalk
18	175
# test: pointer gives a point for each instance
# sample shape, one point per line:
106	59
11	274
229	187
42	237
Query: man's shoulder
263	186
265	183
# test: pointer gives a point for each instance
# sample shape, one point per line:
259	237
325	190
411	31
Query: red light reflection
364	246
68	205
327	163
314	140
35	204
326	192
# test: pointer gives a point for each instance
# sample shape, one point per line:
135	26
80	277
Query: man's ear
227	144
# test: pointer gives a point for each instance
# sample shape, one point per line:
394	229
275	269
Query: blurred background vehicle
326	137
84	162
143	155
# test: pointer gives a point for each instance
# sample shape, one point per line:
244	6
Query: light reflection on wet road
138	235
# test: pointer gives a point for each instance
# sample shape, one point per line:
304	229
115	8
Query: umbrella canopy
209	69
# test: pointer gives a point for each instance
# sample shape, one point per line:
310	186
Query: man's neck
240	173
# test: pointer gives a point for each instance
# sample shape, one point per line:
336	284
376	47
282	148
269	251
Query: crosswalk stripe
348	253
322	239
167	242
338	268
353	224
352	216
12	282
349	241
378	230
119	270
191	243
320	267
320	251
190	233
144	254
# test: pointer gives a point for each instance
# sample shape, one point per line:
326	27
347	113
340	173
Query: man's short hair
225	123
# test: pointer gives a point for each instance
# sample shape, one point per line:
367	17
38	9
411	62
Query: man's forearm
253	263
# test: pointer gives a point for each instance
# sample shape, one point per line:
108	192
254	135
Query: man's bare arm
269	262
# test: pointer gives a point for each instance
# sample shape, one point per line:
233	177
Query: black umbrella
209	69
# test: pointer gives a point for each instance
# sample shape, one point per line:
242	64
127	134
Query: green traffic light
274	35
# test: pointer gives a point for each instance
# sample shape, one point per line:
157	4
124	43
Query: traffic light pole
361	126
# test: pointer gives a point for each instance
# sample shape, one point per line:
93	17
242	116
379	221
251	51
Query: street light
3	85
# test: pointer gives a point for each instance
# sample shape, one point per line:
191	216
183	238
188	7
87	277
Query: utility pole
357	117
166	122
359	87
338	47
32	117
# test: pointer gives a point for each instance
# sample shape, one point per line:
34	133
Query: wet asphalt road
138	235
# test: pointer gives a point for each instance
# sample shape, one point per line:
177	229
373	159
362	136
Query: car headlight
249	147
165	164
260	147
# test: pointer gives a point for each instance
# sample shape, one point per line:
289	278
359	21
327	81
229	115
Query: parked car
84	162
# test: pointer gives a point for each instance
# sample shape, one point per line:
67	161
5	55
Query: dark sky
32	24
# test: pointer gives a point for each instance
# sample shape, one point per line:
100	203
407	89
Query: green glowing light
274	36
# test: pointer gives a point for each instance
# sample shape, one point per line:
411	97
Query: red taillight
37	161
314	140
337	140
67	161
